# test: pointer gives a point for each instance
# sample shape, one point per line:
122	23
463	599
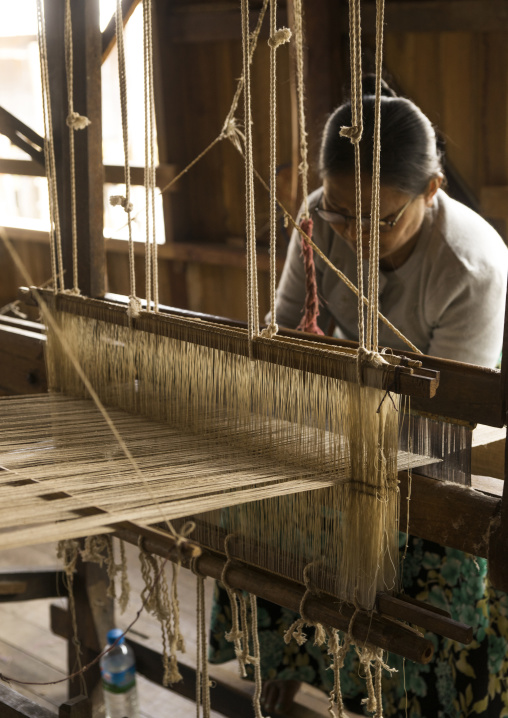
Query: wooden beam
435	16
451	514
200	23
114	174
494	201
209	254
301	355
14	705
22	136
28	585
22	366
88	142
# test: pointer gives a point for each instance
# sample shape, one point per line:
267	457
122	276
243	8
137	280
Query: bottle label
121	705
120	682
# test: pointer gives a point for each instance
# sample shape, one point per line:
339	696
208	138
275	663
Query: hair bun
369	86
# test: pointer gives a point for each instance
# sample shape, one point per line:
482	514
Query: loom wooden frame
466	393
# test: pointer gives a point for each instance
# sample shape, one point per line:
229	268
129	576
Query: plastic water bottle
118	671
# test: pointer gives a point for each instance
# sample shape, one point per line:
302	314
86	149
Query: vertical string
49	154
355	134
74	122
277	38
372	313
155	264
134	303
252	299
147	173
300	89
273	161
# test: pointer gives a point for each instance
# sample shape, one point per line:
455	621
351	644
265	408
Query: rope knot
354	133
270	331
77	121
134	308
295	631
369	357
185	532
118	200
280	37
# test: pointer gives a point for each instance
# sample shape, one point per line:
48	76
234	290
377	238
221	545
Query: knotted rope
55	238
276	39
74	121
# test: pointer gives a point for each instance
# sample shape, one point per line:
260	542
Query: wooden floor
29	651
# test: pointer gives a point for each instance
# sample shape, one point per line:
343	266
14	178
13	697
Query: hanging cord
240	636
49	155
68	552
296	629
255	659
151	265
277	38
371	658
164	605
75	122
147	174
372	320
311	306
235	635
134	303
203	683
355	134
252	290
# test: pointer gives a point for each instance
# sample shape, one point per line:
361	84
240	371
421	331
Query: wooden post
94	618
88	142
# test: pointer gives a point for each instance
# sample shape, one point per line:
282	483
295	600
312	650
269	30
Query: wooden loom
465	393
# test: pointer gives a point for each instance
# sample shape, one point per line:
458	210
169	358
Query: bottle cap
113	634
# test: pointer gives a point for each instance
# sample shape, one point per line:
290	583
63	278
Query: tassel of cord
311	309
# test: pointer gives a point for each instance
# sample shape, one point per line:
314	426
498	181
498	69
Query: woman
442	284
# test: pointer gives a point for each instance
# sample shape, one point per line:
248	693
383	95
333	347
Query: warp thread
311	308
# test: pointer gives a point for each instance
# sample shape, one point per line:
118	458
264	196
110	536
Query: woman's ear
433	186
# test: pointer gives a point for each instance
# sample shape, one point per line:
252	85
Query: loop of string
74	121
125	202
55	238
235	635
296	629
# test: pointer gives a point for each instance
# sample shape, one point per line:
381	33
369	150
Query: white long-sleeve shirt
448	297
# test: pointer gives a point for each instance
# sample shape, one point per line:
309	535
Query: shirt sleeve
470	329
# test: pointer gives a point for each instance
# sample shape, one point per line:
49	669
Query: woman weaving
443	276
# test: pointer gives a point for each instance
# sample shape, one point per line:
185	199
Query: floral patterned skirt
459	681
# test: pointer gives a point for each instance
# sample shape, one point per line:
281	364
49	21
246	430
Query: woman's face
395	244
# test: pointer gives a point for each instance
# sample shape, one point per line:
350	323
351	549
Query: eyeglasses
385	225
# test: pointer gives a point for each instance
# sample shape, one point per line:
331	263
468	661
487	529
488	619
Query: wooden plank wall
450	56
